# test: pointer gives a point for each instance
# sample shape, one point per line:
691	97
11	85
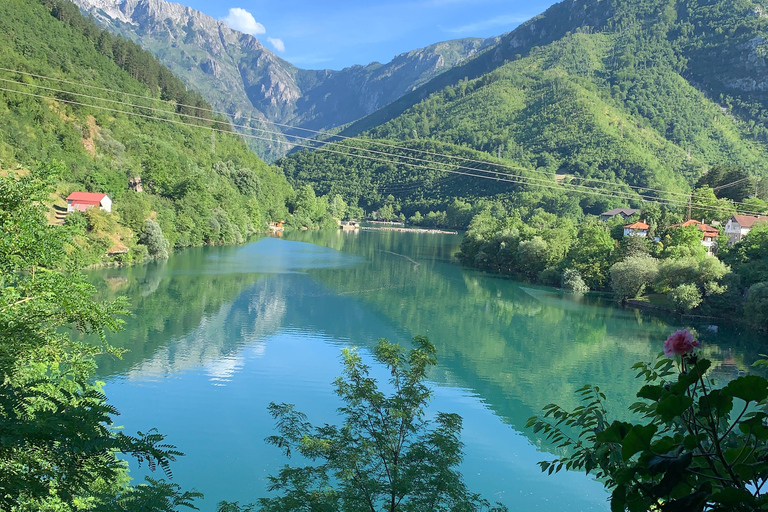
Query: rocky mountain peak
237	74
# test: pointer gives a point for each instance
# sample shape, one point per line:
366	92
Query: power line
320	132
586	190
515	179
495	174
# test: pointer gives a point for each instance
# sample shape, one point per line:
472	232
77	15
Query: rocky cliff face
238	75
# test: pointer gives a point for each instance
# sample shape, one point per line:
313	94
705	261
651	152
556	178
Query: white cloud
278	44
243	21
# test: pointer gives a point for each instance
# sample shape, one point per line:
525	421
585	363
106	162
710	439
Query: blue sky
339	33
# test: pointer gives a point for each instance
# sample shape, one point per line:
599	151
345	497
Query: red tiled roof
747	221
706	228
86	197
638	225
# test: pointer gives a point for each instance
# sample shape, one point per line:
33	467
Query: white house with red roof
739	225
636	229
81	201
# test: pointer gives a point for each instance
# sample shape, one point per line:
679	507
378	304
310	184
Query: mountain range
241	77
646	93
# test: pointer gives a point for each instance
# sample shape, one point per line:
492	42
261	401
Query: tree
749	257
153	238
696	446
684	242
686	297
756	306
629	278
591	255
337	207
57	445
384	457
532	255
572	281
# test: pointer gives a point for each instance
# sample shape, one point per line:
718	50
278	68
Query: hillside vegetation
650	94
200	187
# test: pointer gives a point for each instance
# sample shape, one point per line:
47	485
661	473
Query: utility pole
690	201
213	142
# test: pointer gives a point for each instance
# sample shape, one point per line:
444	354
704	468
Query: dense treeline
669	267
422	182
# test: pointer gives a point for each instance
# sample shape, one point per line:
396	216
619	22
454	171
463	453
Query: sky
333	34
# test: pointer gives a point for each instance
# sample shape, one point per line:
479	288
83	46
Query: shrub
76	220
696	447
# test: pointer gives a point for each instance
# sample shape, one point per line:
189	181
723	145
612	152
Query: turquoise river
217	333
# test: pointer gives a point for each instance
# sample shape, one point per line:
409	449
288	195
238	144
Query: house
710	234
624	212
81	201
351	225
738	226
636	229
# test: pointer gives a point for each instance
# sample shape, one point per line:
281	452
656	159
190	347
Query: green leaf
651	392
717	401
673	406
756	425
692	441
615	433
637	439
750	388
731	496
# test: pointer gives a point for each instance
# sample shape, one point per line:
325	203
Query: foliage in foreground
58	450
386	456
696	447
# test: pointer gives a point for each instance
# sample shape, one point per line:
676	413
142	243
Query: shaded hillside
719	47
240	76
650	93
201	188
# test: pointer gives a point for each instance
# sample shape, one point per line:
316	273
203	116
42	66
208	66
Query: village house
738	226
710	234
81	201
636	229
351	225
624	212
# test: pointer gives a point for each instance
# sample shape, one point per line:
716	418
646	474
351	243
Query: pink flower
680	342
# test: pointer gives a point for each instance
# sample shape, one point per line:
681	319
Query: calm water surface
218	333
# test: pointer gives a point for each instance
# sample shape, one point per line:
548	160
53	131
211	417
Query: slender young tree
386	456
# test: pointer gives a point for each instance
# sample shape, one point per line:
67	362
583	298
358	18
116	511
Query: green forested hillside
650	94
199	187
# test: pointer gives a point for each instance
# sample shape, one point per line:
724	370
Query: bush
630	277
695	448
686	297
76	220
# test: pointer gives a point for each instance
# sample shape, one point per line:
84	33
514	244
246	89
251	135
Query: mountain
102	112
648	93
238	75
